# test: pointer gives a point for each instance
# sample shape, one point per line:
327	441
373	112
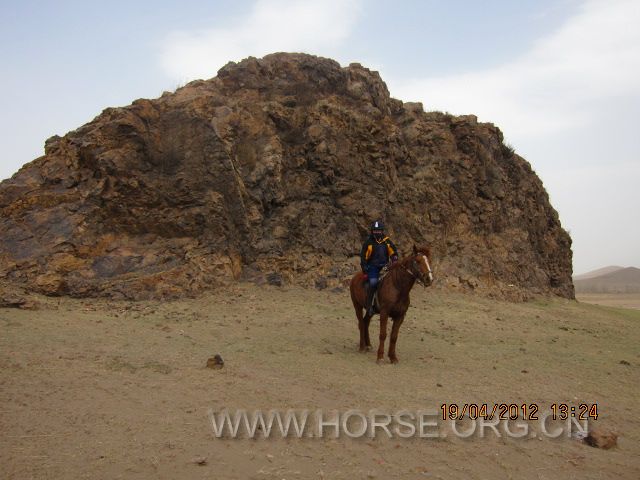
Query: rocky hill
272	171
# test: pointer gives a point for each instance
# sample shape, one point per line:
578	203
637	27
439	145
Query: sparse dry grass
118	390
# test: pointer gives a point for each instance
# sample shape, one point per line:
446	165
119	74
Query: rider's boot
371	291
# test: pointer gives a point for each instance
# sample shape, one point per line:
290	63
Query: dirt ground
623	300
98	389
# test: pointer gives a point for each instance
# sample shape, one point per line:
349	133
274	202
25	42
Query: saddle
383	272
381	275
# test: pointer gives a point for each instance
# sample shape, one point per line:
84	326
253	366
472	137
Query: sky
560	78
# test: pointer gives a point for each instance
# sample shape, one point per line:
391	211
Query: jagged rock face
273	170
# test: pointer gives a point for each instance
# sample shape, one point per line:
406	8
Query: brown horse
393	298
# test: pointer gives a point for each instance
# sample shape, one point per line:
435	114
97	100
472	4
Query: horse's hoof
394	360
363	350
380	361
368	348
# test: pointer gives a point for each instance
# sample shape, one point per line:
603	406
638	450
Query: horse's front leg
383	334
394	338
361	328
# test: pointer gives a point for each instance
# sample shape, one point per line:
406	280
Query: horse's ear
415	249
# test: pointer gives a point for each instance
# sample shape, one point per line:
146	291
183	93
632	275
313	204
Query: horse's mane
402	262
425	250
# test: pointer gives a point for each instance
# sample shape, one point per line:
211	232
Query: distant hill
598	272
621	280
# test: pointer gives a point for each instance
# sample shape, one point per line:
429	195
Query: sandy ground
96	389
623	300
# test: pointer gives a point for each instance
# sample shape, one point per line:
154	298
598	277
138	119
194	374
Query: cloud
568	104
593	57
272	26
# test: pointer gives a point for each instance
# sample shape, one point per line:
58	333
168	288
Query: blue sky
560	78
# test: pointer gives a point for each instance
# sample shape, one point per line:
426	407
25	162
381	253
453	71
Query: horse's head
421	265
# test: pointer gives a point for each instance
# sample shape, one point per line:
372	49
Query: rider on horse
375	254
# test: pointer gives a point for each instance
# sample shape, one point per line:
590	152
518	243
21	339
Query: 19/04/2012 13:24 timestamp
515	411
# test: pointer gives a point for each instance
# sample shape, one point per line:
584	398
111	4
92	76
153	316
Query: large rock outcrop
273	170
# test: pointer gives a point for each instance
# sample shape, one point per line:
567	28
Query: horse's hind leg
394	338
361	327
367	340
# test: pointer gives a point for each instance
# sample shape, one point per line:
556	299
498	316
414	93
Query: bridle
419	276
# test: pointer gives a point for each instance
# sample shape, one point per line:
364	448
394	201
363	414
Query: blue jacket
377	253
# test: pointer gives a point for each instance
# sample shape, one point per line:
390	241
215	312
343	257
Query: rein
412	273
409	271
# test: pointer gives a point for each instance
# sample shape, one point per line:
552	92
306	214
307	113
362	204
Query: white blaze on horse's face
426	262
